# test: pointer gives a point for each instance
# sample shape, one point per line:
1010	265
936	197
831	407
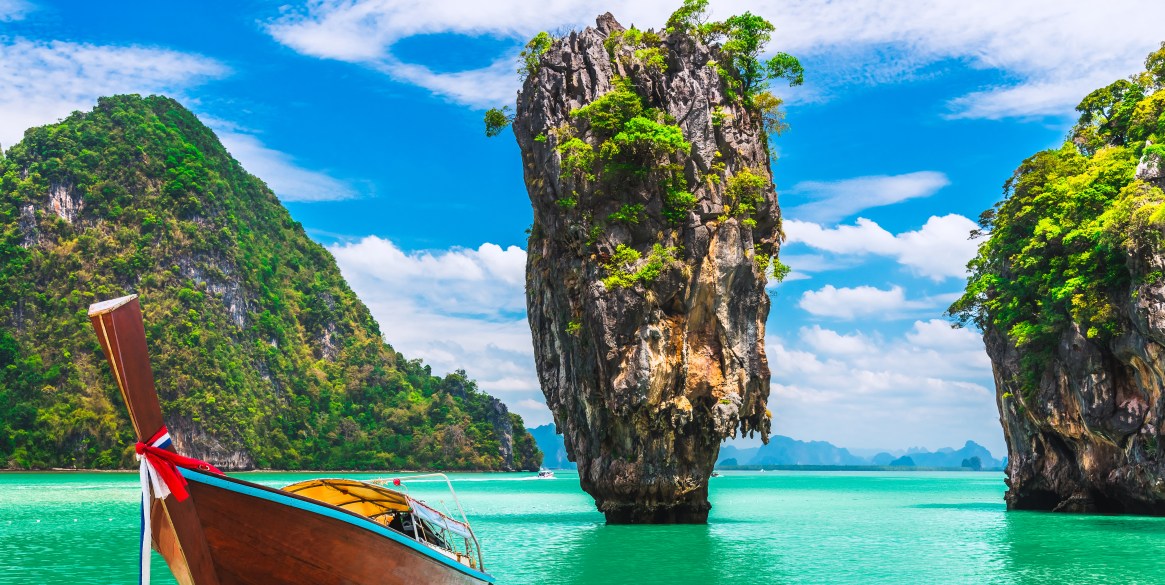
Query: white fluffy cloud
486	282
1054	51
834	200
940	249
929	387
456	309
41	82
861	301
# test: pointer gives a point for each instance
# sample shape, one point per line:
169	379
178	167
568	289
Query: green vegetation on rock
259	347
531	56
578	158
618	153
743	193
743	38
767	265
1066	241
497	120
610	111
624	269
630	213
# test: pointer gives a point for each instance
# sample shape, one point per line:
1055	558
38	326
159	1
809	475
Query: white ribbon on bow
151	482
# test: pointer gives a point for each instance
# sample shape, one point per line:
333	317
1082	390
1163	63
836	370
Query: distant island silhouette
786	452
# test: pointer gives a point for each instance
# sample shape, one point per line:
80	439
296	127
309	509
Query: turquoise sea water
775	527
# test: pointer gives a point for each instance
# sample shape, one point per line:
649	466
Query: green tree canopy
1063	241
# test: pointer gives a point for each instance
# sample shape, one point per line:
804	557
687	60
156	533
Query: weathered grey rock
1149	168
1089	439
191	440
646	381
65	202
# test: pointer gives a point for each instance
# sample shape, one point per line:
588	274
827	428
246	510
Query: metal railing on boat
401	480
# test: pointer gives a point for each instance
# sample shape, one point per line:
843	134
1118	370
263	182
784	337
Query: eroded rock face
1088	439
646	379
192	440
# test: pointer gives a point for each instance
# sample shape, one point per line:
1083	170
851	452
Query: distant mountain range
552	446
786	451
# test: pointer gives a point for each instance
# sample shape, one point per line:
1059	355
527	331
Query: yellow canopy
376	502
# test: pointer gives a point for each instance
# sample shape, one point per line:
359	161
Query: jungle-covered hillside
263	355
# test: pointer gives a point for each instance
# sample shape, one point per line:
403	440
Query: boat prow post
175	526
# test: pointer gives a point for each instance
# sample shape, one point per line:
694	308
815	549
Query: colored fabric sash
159	475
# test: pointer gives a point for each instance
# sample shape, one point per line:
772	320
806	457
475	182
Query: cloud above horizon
279	170
938	250
927	387
456	309
831	201
1051	52
864	301
12	10
42	82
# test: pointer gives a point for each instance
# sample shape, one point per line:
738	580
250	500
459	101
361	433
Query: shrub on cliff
1071	218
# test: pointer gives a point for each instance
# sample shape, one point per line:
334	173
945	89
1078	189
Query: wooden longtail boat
228	531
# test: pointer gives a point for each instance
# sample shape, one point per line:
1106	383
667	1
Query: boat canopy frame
372	499
443	524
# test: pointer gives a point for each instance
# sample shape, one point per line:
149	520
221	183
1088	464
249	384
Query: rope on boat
160	478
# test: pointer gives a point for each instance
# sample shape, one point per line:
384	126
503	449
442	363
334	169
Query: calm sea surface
775	527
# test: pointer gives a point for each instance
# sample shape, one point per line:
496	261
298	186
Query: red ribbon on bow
166	463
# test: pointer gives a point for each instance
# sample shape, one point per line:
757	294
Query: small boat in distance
545	474
213	529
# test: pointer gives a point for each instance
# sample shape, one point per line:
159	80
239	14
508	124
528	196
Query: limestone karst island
817	293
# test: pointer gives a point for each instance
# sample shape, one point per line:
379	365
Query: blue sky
365	117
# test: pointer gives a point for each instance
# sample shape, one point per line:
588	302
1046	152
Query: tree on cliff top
742	39
1062	237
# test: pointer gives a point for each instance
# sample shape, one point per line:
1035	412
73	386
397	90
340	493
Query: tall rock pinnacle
655	226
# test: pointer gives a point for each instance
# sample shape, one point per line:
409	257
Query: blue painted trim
358	521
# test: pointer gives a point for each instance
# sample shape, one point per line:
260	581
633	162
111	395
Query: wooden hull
258	536
233	532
